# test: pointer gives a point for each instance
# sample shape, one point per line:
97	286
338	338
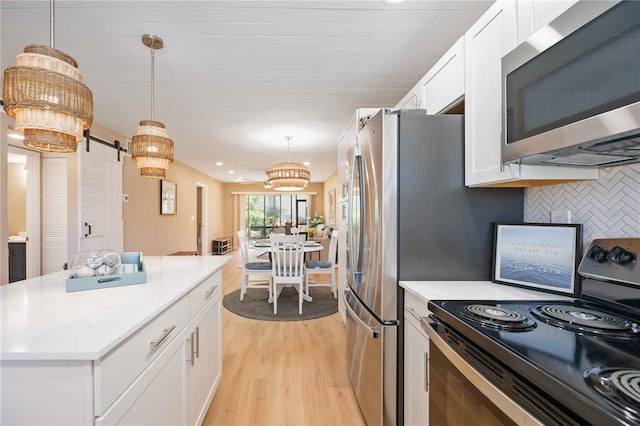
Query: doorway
201	219
23	207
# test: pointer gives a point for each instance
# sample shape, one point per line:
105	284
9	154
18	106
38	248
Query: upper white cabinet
443	86
533	14
412	100
486	42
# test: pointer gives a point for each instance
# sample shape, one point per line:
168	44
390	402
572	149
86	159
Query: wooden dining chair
253	269
287	255
323	273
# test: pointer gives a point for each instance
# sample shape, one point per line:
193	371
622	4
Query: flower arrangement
316	220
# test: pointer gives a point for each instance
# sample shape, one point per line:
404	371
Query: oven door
454	400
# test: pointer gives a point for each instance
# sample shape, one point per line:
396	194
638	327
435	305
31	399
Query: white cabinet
533	14
486	42
156	397
204	360
416	363
443	86
161	367
412	100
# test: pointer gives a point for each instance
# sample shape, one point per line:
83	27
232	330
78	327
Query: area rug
256	306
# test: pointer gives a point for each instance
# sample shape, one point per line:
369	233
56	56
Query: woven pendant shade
288	176
45	94
151	149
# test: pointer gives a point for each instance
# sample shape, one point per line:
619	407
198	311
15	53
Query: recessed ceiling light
218	163
392	2
230	172
306	163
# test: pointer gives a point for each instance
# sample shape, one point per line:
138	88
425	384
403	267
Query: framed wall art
168	197
538	256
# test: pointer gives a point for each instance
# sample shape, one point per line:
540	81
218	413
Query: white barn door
100	198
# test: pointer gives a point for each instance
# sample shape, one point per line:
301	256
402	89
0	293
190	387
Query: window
265	212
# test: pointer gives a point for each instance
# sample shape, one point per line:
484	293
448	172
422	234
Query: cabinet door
533	14
412	100
416	384
443	85
156	397
490	38
205	361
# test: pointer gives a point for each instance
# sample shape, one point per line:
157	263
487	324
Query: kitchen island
146	353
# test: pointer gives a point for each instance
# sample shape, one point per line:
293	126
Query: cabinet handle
210	291
193	351
165	333
198	342
426	372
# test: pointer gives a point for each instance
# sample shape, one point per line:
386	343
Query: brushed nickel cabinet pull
165	333
210	291
426	372
193	351
198	342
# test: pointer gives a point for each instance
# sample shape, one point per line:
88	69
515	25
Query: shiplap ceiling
235	77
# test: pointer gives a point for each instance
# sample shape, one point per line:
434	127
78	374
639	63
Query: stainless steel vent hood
571	92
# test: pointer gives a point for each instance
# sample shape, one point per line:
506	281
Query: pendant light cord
153	61
52	24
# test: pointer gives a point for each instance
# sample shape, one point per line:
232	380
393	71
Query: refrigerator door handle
356	264
372	332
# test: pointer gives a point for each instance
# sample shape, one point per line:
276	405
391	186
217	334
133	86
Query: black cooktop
576	353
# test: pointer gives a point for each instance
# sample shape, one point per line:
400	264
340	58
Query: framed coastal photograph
168	197
538	256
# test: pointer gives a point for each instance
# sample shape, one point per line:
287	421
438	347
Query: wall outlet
125	198
561	216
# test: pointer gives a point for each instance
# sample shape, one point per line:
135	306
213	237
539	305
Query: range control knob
597	253
621	256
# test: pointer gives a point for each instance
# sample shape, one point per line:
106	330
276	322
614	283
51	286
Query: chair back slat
287	255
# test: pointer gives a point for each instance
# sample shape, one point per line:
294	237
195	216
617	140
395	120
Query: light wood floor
281	373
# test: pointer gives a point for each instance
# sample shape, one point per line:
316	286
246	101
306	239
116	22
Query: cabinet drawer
415	305
120	367
203	292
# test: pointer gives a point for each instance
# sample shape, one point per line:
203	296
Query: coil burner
586	320
498	318
619	386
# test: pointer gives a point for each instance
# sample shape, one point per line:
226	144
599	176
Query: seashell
94	259
104	270
111	259
82	271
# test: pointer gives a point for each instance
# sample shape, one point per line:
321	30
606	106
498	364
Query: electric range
572	361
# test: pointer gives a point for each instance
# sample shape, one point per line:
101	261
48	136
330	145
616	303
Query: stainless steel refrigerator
410	218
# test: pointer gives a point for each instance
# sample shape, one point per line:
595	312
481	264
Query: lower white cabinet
156	397
416	364
204	361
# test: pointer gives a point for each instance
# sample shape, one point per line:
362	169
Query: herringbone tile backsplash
608	207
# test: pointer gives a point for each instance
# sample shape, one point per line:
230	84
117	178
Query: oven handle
432	322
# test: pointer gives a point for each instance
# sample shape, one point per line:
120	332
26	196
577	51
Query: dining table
309	247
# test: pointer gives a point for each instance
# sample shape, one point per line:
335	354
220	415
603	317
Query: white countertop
41	321
473	290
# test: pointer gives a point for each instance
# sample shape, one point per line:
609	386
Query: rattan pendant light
288	176
151	148
45	95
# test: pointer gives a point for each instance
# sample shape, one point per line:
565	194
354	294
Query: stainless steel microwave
571	91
